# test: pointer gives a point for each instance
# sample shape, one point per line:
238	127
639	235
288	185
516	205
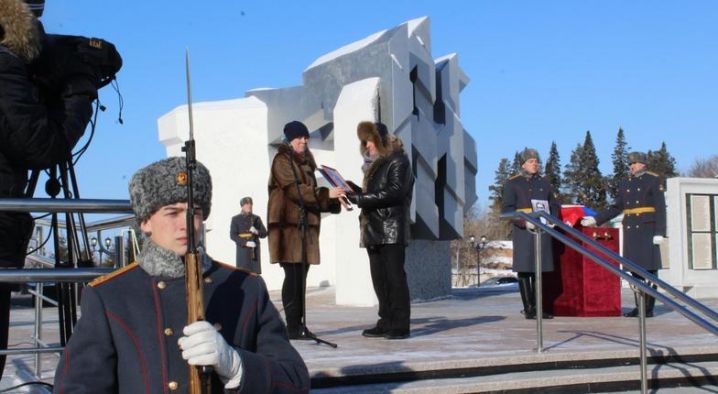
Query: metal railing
49	273
641	287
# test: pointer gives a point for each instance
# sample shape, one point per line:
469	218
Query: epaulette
235	268
104	278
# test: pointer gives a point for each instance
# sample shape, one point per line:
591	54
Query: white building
389	76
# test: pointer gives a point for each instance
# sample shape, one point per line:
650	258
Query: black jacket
34	134
385	200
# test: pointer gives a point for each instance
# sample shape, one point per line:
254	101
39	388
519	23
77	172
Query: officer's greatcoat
126	340
247	258
642	201
519	190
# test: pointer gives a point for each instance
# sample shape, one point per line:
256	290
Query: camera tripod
62	178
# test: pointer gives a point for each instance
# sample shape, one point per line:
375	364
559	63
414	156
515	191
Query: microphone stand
303	226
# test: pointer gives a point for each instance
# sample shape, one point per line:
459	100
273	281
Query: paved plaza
472	327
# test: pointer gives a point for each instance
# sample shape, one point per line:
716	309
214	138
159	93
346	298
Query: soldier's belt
246	235
525	210
639	210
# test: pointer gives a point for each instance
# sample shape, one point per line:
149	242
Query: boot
527	297
650	303
634	312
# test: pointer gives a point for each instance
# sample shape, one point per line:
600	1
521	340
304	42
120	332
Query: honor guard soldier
245	230
641	200
133	335
529	192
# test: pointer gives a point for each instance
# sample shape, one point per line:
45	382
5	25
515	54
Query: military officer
245	230
528	191
133	335
641	200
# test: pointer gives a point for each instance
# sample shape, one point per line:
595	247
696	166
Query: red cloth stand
580	287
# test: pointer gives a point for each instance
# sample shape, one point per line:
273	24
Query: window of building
702	231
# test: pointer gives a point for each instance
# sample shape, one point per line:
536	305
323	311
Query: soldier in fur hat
384	199
641	200
133	335
245	230
528	191
35	133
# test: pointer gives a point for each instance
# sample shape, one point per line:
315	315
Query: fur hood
19	29
367	131
284	149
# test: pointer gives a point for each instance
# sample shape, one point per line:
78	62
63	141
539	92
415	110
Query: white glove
658	239
250	244
203	345
530	226
588	221
253	230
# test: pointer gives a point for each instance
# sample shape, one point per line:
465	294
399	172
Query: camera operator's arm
34	135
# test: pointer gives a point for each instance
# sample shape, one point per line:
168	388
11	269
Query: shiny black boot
527	297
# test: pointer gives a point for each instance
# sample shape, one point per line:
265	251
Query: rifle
199	377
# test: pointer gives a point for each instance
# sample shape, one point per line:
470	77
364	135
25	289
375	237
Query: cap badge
181	178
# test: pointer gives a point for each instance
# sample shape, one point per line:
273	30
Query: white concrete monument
390	77
691	251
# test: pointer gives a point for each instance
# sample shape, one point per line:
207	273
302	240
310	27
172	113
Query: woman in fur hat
384	198
33	134
292	184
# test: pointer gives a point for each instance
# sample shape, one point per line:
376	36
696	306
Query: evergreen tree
553	170
583	177
662	163
571	174
620	164
516	165
501	175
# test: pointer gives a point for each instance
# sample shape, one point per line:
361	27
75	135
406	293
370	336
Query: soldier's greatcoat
519	190
642	201
247	258
126	341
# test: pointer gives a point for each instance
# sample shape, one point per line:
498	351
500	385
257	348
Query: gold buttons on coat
208	280
161	285
168	331
172	385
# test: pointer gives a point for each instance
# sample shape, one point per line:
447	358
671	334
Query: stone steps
556	373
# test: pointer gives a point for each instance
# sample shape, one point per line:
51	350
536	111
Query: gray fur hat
637	157
529	153
164	183
246	200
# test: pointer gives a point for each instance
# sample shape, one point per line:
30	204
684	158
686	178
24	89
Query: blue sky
540	71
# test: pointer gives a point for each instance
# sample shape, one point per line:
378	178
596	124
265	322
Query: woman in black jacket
385	198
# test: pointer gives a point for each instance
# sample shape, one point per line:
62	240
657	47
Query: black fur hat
164	183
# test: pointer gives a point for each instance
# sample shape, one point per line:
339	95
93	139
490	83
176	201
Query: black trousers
389	279
293	293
